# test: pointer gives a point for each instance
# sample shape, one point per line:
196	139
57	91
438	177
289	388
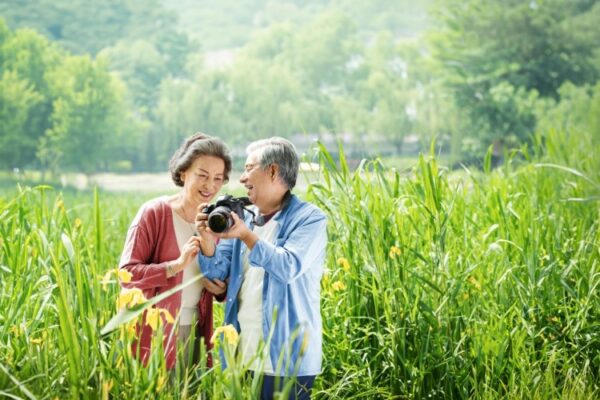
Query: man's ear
274	170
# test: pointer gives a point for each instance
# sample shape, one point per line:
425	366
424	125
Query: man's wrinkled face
258	182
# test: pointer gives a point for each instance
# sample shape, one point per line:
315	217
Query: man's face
259	183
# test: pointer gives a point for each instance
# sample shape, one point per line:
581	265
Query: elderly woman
161	247
274	260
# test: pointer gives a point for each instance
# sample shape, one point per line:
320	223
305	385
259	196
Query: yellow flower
325	279
129	298
77	223
395	251
344	263
106	386
36	341
106	279
16	330
160	382
153	318
474	282
338	286
130	328
168	317
229	333
124	275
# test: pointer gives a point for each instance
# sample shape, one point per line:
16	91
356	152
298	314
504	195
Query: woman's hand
207	237
189	252
202	222
215	286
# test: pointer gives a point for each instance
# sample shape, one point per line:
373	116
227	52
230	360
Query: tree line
484	73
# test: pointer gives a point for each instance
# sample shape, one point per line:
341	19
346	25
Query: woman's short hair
280	151
195	146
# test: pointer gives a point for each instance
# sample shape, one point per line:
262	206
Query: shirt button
230	300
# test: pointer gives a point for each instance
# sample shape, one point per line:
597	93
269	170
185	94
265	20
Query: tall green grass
463	285
440	284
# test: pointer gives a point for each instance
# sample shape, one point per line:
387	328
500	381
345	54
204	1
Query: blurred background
440	281
96	90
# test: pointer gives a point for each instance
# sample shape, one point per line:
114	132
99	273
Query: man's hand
239	230
216	286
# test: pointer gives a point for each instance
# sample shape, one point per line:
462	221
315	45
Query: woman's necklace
184	217
184	214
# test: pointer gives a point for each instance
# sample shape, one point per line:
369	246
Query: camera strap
261	220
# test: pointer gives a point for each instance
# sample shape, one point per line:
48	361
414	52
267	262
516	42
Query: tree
25	58
386	91
142	67
322	48
87	116
496	56
17	100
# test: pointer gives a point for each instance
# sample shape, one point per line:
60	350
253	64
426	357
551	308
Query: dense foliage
56	109
439	284
470	74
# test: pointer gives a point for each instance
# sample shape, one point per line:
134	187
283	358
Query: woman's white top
190	296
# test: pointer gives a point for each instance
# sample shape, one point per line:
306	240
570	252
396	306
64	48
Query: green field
439	284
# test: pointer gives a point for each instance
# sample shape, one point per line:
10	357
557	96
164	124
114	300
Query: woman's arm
137	252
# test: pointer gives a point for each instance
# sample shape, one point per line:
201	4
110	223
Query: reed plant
439	284
480	284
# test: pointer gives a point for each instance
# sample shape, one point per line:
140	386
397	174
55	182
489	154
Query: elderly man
274	262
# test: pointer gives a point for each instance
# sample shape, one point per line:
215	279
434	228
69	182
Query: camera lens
219	220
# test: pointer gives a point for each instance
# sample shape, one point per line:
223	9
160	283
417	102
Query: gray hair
280	151
196	146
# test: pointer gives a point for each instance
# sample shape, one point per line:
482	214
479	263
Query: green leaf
127	314
68	246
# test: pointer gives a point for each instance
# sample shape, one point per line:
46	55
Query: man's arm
302	249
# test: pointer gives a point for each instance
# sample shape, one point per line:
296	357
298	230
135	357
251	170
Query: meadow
440	284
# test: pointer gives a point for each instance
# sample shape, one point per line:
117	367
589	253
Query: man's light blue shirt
293	268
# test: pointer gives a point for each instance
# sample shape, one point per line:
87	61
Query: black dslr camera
219	214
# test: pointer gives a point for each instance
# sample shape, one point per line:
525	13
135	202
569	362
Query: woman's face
203	179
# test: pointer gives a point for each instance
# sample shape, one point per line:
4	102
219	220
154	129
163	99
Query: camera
219	214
